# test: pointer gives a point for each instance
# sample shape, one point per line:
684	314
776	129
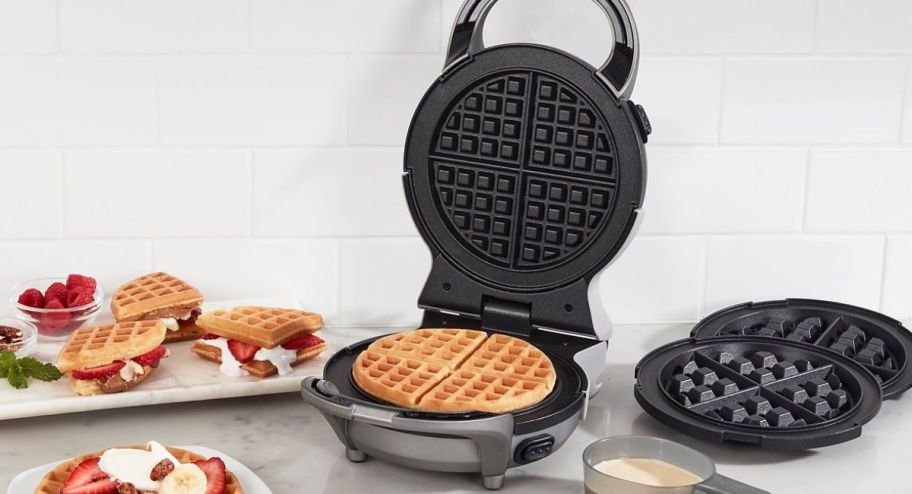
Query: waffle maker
524	173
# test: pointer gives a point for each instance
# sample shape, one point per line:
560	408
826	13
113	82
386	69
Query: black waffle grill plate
879	343
749	389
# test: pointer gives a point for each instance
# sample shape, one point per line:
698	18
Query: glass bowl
54	324
25	344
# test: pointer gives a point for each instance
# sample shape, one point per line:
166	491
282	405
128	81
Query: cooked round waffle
453	370
53	482
101	345
153	292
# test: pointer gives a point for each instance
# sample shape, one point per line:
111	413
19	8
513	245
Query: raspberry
80	281
77	297
56	291
32	298
54	321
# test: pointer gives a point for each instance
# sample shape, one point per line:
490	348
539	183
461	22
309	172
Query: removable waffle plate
881	344
750	389
565	399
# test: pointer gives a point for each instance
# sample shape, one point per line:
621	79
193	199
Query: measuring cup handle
719	484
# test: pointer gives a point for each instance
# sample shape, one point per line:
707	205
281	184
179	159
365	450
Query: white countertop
294	451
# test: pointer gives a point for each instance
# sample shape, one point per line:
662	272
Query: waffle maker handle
618	73
492	435
720	484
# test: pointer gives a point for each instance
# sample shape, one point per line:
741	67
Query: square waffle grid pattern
449	347
517	136
838	334
150	286
266	318
107	343
464	388
759	389
401	376
511	356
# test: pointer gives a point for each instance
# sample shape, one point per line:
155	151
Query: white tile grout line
883	272
251	162
805	200
814	38
905	109
722	85
61	181
704	268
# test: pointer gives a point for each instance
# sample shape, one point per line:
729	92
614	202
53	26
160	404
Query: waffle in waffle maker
525	173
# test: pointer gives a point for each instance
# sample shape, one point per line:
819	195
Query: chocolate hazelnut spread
117	384
10	338
184	315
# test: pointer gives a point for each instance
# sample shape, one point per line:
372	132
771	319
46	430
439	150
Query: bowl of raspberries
57	306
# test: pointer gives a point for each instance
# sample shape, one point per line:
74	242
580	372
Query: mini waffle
776	393
265	327
153	296
447	347
53	482
877	342
101	345
448	371
256	368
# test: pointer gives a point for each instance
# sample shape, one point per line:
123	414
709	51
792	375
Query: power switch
534	449
642	120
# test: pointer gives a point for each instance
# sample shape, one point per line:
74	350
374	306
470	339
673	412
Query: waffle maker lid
881	344
773	393
524	173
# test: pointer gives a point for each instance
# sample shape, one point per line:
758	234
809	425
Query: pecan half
161	470
126	488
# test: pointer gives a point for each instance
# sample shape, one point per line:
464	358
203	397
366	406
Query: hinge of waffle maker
506	317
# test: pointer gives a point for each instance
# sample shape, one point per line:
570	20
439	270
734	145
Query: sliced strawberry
87	478
210	336
243	352
80	281
100	372
151	358
32	298
78	297
300	342
58	291
214	468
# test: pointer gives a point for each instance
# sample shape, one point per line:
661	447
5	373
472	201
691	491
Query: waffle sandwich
455	370
113	358
259	341
166	470
160	296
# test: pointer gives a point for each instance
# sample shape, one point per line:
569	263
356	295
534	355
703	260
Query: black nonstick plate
879	343
750	389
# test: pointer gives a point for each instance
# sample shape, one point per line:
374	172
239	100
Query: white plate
27	481
183	376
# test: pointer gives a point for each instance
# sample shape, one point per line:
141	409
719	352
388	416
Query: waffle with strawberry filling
262	341
160	296
113	358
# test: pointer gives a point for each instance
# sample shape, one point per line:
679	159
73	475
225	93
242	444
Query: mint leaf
7	360
17	380
39	370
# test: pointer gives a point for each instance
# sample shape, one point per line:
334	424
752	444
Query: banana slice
185	479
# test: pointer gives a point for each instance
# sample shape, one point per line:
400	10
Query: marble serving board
181	377
26	482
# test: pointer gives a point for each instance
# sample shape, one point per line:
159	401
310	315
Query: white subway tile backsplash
306	270
383	93
860	191
907	111
30	202
330	192
842	269
829	101
656	279
77	101
153	26
875	26
111	262
381	280
276	100
725	26
686	112
176	194
28	26
897	295
718	190
319	26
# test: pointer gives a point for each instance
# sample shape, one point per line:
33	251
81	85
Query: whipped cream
279	357
230	366
135	465
132	369
171	324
